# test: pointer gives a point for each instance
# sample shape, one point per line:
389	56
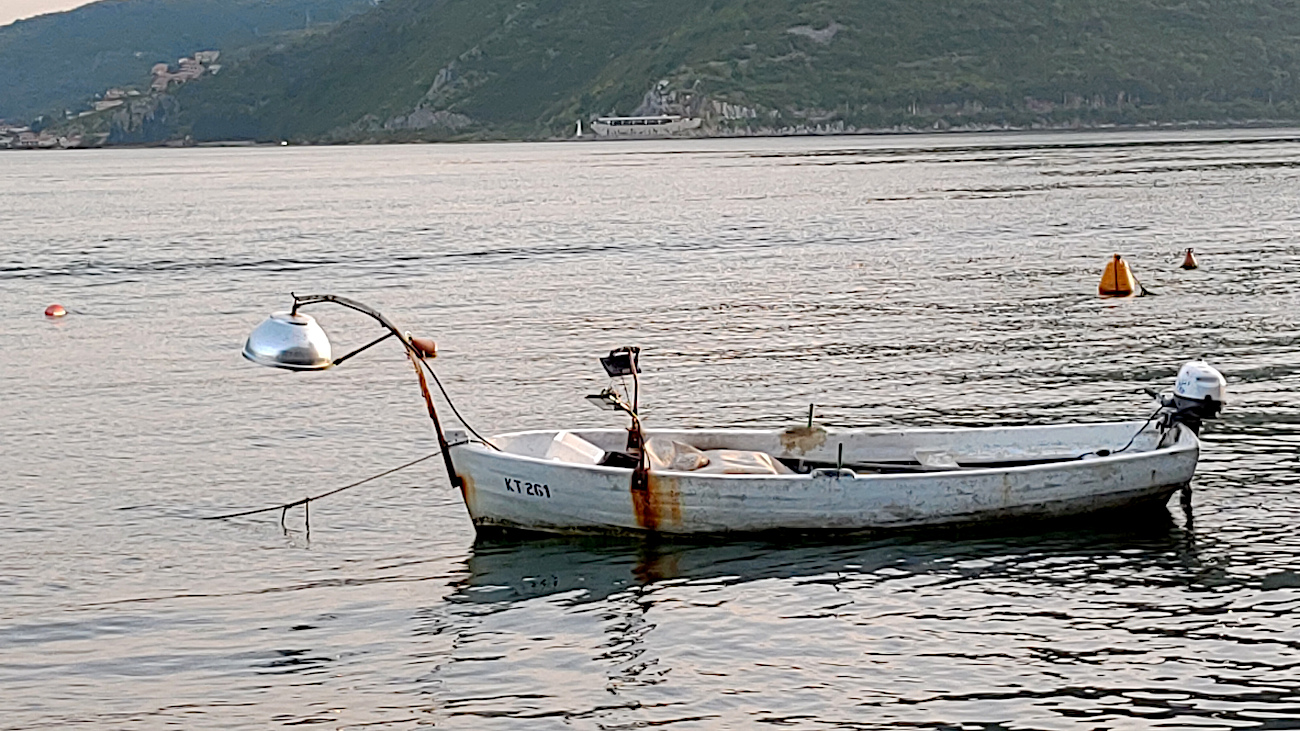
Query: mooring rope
284	508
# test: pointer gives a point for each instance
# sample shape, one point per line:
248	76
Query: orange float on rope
425	346
55	311
1118	280
1189	261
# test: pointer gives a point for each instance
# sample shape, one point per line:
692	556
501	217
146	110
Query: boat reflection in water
631	632
510	568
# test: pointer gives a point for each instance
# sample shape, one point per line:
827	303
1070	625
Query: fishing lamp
622	362
609	400
296	342
289	340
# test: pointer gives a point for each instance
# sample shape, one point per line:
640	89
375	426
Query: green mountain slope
59	61
440	68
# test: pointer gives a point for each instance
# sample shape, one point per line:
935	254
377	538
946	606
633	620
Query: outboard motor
1198	394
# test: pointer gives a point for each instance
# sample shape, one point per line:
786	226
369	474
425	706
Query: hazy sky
11	10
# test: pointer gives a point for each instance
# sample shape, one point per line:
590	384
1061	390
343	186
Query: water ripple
902	280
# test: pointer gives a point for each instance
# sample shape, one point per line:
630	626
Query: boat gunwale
1185	441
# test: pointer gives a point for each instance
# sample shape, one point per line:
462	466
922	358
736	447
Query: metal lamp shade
289	340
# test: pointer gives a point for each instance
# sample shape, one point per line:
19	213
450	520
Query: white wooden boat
806	478
889	479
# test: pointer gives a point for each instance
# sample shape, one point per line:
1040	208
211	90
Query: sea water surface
903	280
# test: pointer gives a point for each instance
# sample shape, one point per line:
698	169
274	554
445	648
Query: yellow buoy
1118	280
1189	261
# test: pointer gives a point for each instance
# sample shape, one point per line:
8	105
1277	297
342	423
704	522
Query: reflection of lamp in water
294	341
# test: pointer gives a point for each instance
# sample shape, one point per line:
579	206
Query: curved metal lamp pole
294	341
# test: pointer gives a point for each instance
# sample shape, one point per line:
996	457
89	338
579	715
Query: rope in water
284	508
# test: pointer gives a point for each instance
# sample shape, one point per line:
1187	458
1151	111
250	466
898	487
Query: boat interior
802	450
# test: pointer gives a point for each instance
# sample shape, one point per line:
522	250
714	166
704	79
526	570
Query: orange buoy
426	347
55	311
1189	261
1118	279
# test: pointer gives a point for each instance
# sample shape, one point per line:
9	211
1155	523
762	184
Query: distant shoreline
759	134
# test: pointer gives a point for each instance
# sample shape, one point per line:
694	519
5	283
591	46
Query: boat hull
654	126
518	491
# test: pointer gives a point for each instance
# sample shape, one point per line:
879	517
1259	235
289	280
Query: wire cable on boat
307	500
452	404
1141	429
1132	439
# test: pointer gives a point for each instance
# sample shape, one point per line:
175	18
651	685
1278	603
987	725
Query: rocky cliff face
147	121
144	120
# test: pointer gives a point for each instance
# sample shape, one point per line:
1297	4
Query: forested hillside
59	61
505	68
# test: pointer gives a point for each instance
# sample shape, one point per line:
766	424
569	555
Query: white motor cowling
1199	393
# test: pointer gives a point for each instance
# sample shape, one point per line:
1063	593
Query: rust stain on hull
467	492
656	500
